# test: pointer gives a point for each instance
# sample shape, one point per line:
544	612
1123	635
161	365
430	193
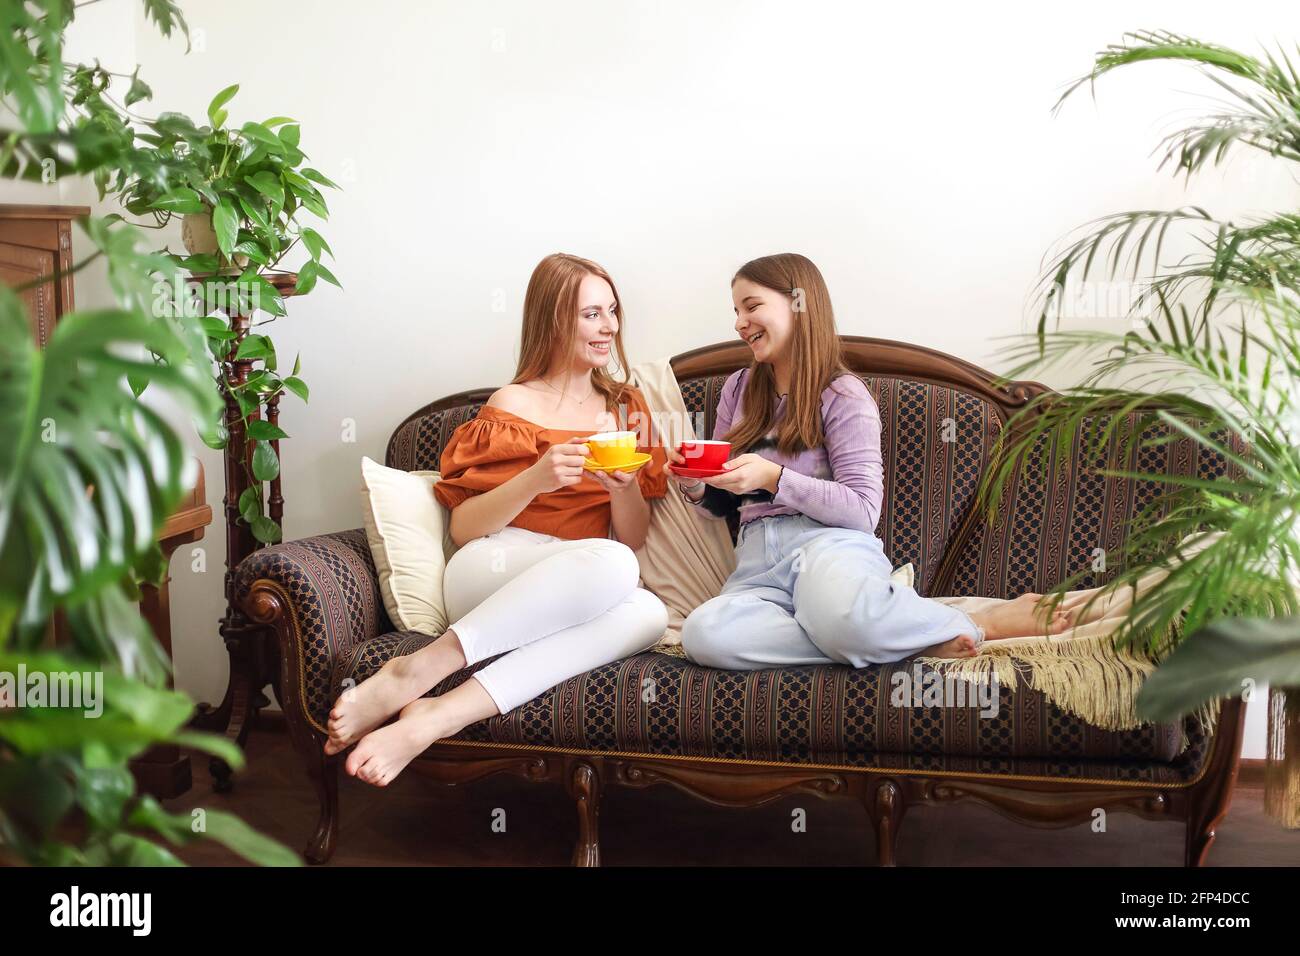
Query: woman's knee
835	613
617	563
707	638
650	614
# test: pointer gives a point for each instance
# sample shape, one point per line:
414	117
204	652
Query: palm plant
1209	350
87	476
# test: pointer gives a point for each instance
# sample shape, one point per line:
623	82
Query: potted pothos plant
242	194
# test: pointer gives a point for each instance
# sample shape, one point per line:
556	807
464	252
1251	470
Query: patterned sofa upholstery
936	439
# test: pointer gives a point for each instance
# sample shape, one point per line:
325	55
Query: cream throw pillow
906	575
409	532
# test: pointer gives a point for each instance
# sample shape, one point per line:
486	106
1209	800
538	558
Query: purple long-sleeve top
841	484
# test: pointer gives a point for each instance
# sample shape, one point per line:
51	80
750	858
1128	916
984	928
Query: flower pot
200	239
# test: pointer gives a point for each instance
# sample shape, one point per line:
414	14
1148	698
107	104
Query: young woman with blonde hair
545	573
812	583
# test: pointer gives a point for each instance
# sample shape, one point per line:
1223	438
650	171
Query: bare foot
361	709
384	753
963	645
1023	616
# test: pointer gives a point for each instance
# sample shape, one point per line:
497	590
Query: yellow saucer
639	459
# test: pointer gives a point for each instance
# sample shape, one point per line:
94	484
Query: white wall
910	151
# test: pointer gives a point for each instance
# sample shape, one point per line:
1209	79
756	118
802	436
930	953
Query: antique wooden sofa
743	738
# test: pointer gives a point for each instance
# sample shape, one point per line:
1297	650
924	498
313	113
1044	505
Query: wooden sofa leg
584	787
324	773
1210	799
886	806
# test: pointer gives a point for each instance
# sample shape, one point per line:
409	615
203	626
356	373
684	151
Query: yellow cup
612	448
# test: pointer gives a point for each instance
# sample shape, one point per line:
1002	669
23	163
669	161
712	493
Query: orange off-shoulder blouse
488	450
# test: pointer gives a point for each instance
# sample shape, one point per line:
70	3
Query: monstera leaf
88	472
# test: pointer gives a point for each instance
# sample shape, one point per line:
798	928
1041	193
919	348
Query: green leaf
139	89
182	200
260	134
103	793
216	115
315	243
260	294
316	206
255	347
168	16
36	795
255	211
203	262
1217	660
275	121
327	275
266	531
225	223
238	837
253	249
263	430
296	385
248	404
214	744
266	465
126	849
319	177
181	829
290	136
268	184
56	544
307	277
250	503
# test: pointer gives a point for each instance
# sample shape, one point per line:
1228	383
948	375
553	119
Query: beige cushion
409	534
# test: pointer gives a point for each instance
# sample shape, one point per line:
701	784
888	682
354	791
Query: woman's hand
676	458
559	467
692	488
746	473
617	482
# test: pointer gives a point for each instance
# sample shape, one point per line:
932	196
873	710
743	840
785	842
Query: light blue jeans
805	593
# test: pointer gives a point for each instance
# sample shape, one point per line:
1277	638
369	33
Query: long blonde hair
816	358
551	315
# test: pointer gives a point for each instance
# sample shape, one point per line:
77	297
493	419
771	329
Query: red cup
704	454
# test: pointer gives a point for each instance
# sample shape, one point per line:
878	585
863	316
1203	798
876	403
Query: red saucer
697	472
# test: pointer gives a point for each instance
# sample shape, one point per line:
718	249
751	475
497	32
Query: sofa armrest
321	596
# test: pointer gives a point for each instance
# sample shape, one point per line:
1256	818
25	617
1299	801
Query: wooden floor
506	821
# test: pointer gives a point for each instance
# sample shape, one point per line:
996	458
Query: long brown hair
816	358
551	315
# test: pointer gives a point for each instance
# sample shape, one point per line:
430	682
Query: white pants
559	606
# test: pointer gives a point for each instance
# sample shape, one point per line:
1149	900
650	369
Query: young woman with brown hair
812	583
545	573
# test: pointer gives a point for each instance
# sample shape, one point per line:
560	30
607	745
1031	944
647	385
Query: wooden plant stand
252	648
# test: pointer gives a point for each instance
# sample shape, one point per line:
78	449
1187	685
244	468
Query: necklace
563	395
